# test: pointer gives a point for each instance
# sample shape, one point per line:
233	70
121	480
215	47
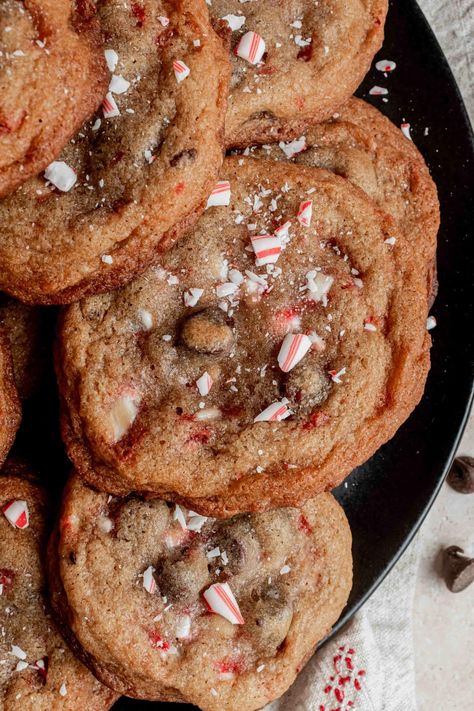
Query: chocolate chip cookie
38	671
295	61
53	76
362	145
9	404
136	175
167	604
275	349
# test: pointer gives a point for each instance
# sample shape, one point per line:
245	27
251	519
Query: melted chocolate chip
307	386
207	332
458	569
461	475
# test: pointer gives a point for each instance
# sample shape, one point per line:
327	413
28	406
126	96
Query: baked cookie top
276	348
10	413
38	671
53	76
295	61
219	613
138	172
362	145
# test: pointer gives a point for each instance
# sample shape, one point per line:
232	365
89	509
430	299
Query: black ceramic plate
387	499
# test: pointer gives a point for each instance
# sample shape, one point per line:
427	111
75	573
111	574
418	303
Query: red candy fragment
157	642
304	525
139	12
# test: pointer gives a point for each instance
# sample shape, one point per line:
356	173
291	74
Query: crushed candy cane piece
292	148
283	230
336	375
235	22
285	570
220	599
180	517
109	106
208	413
292	351
251	47
196	522
61	175
181	70
220	196
405	128
17	514
267	249
378	91
192	296
118	85
204	384
63	690
305	213
275	412
183	628
122	415
149	582
145	318
318	285
111	57
431	323
17	652
385	65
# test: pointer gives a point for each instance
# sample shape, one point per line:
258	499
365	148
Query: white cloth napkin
369	665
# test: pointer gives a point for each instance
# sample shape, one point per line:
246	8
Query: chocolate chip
307	386
461	475
207	332
184	158
261	115
458	569
305	54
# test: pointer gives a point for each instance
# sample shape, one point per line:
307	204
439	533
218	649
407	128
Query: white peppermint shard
61	175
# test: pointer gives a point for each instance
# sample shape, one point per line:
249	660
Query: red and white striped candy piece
275	412
251	47
431	323
220	196
293	349
204	384
16	513
385	65
283	230
61	175
267	249
336	375
149	582
181	70
405	128
305	213
122	415
220	599
109	106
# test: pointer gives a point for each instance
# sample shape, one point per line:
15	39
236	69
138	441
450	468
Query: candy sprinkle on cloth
138	173
222	614
317	353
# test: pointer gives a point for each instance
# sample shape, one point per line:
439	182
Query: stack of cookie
238	334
